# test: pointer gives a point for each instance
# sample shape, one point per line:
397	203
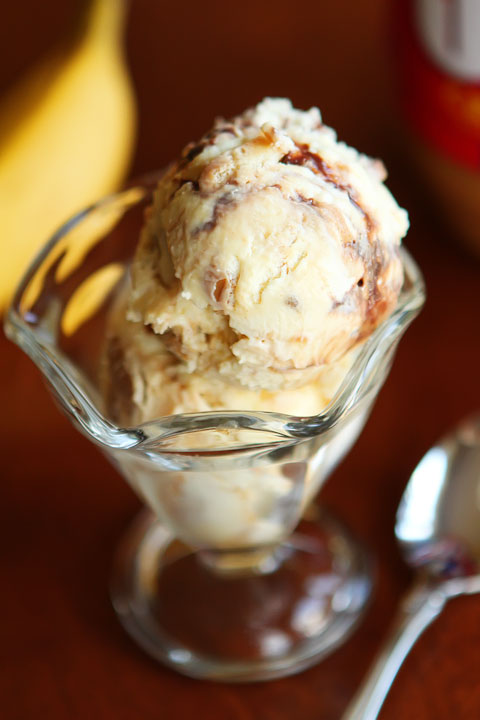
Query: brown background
63	508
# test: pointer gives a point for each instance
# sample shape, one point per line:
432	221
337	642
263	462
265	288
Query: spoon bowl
438	531
438	519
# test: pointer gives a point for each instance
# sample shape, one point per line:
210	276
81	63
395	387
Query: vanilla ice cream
270	251
269	254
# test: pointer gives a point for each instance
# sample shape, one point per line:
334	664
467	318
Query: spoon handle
419	608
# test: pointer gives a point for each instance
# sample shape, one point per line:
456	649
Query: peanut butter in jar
438	54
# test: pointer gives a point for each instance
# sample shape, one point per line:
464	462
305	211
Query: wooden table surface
63	509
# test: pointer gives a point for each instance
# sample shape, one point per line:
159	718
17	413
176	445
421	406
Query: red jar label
439	85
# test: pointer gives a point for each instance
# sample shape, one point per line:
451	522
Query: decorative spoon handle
419	608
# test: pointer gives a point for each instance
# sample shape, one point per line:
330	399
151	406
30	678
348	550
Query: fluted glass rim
64	379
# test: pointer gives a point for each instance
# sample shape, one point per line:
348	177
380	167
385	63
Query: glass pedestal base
241	626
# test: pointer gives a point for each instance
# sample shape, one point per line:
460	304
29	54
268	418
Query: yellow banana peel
70	251
66	138
88	297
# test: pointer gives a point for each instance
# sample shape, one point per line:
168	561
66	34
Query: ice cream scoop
142	379
270	252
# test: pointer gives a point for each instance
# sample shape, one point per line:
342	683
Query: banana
66	138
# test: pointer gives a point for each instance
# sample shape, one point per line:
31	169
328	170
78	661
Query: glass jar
438	73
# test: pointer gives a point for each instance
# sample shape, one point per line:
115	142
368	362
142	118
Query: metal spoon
438	530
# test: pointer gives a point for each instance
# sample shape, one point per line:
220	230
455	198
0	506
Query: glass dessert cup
233	573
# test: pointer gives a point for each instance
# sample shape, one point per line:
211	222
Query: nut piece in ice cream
270	252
